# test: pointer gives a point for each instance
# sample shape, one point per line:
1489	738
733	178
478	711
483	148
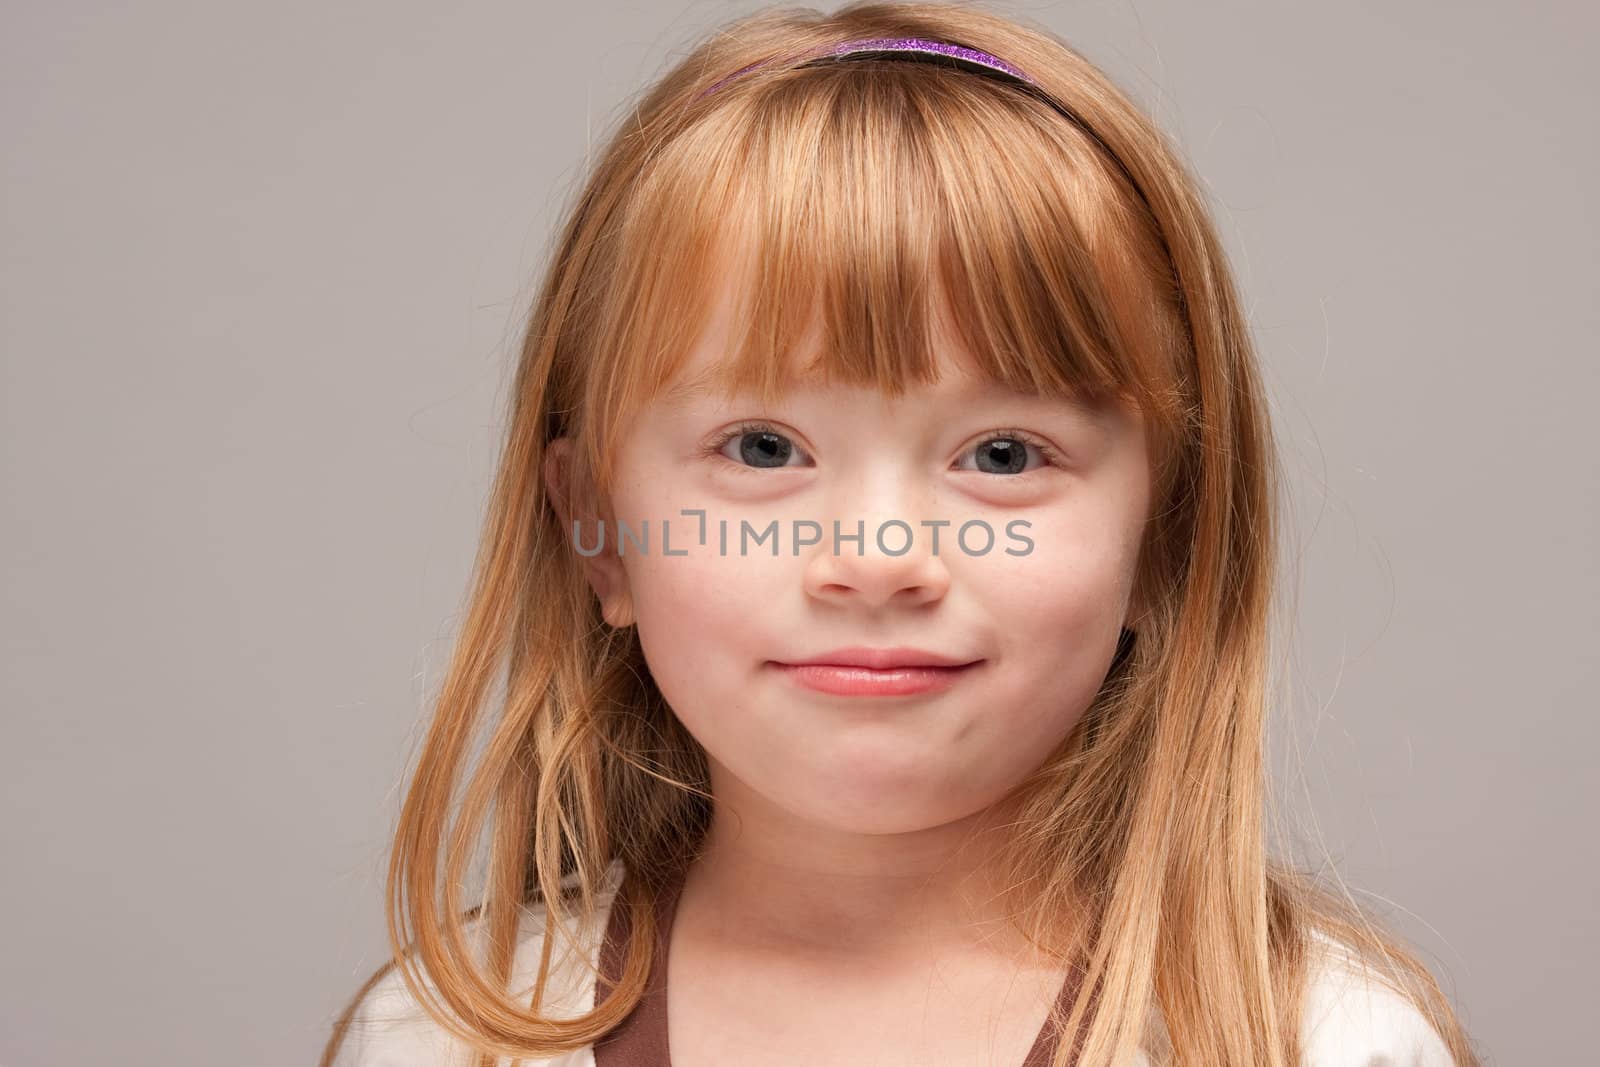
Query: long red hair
1067	262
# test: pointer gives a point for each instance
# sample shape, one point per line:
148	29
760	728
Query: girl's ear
604	568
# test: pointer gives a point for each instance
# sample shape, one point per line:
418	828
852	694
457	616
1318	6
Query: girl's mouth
852	681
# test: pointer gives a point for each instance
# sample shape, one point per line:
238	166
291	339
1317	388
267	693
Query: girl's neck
873	899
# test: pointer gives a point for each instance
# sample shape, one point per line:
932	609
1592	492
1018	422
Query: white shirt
1349	1020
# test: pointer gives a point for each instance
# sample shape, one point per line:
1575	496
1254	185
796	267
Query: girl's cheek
702	595
1065	551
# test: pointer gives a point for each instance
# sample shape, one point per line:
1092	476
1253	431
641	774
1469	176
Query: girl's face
1034	593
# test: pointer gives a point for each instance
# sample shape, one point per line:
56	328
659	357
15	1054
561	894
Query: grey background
264	271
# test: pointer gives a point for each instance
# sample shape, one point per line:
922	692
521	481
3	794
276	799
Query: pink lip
877	672
882	659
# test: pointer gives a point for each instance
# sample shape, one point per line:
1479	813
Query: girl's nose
872	571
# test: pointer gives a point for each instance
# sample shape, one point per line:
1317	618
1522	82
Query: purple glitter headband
918	47
960	56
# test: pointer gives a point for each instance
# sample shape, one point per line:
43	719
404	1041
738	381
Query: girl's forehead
801	360
703	376
959	387
727	355
727	345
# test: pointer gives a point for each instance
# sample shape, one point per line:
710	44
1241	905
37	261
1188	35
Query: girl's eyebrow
697	387
990	390
701	386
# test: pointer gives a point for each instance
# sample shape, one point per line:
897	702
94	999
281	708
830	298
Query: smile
850	681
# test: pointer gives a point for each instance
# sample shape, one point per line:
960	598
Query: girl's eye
1006	452
761	446
755	445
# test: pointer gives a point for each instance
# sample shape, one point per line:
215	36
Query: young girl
879	565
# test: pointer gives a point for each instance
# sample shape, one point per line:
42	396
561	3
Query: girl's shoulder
1351	1016
389	1028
